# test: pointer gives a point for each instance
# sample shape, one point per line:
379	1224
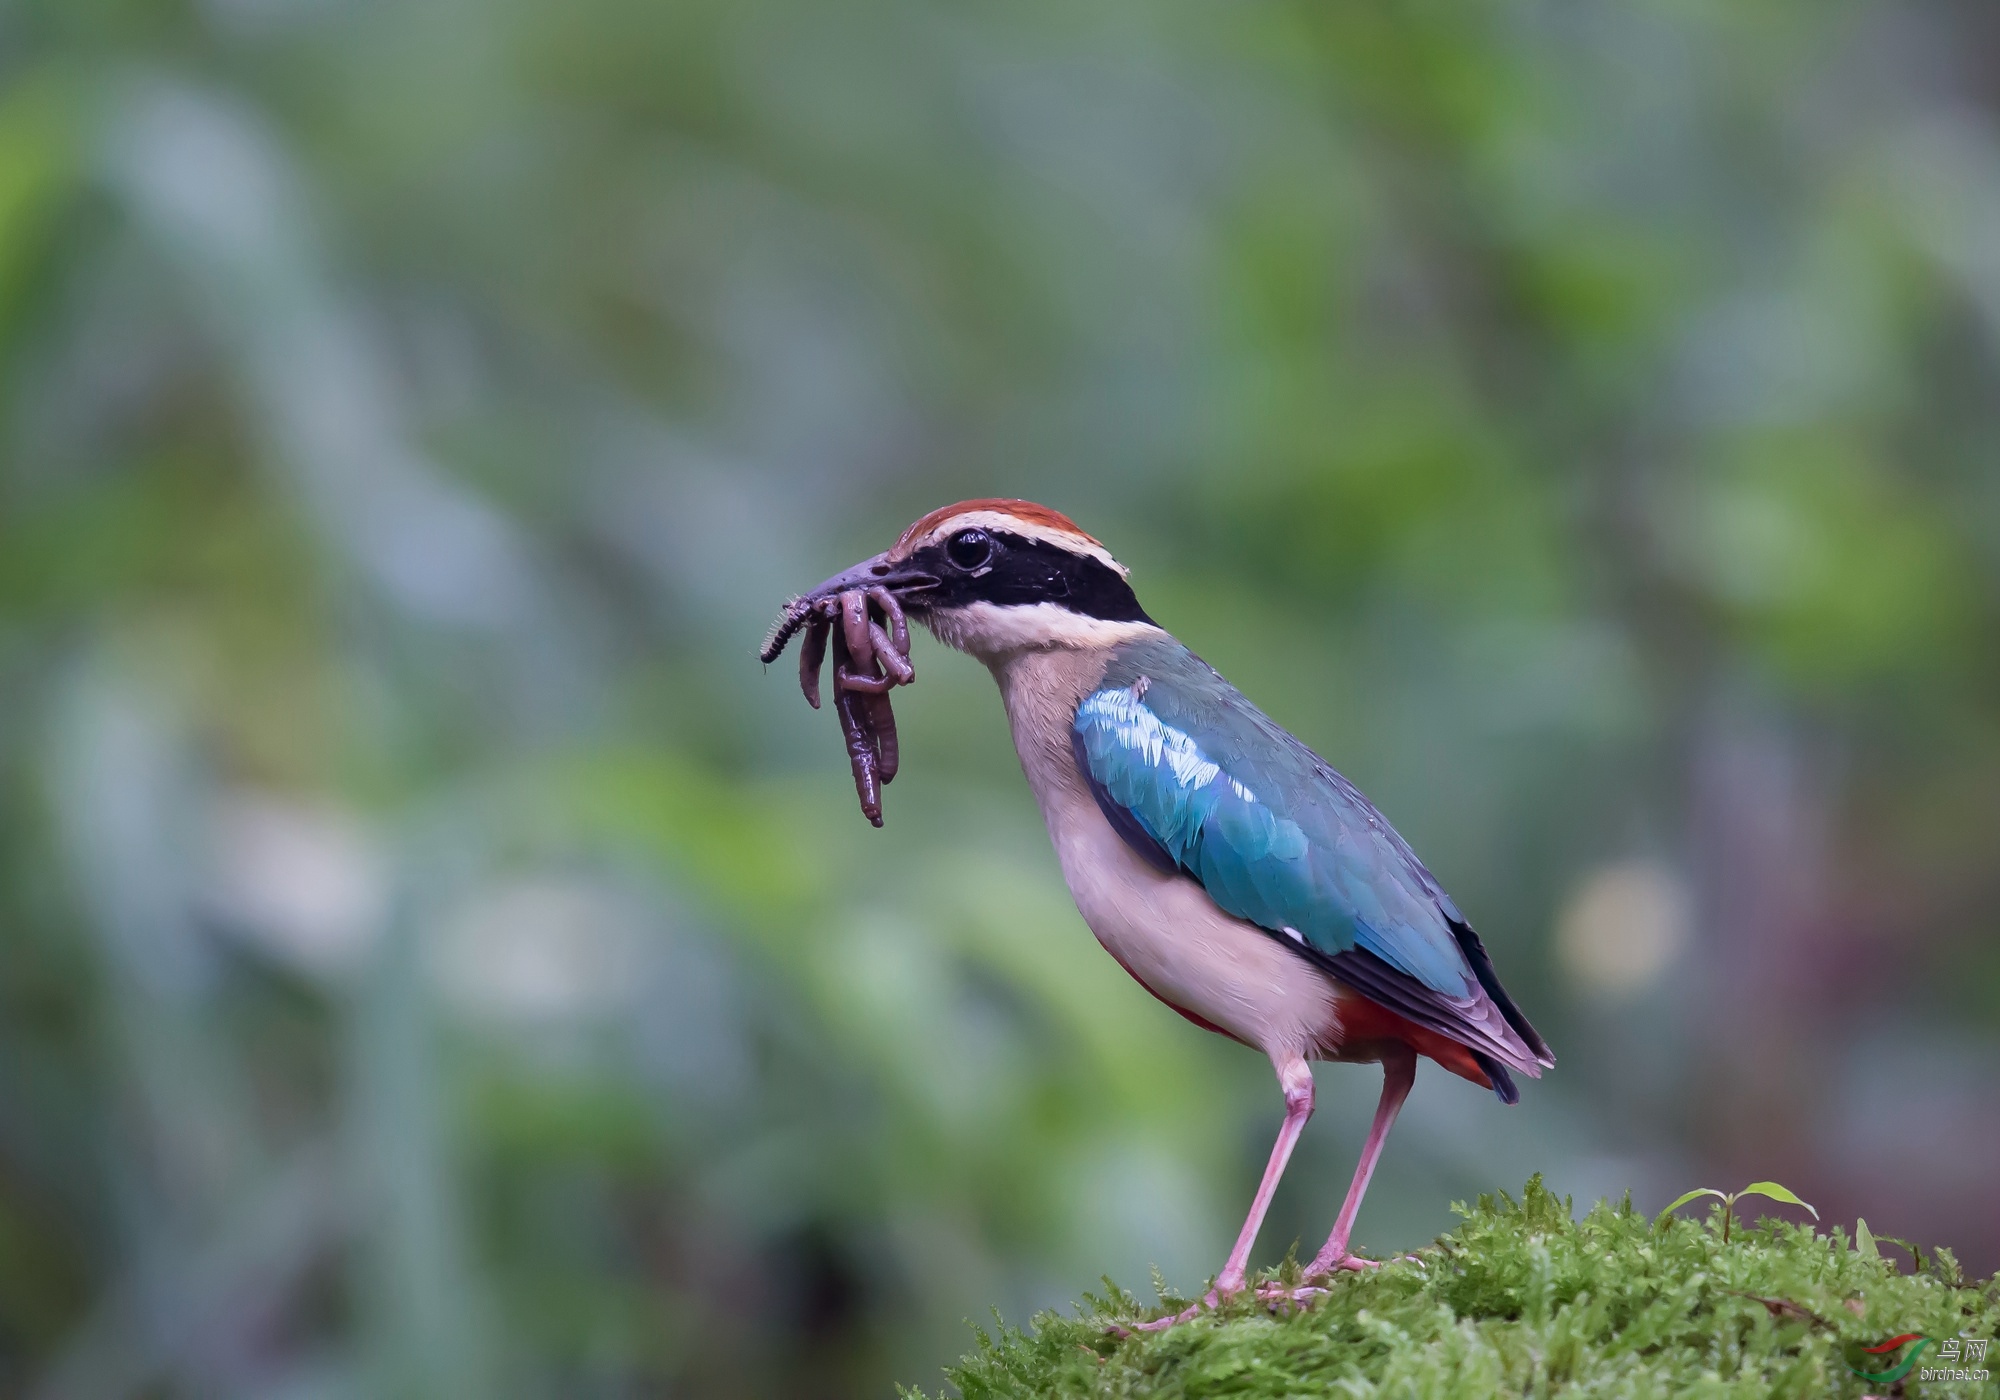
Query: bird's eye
970	549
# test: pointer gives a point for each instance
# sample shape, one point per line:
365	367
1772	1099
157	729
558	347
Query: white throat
993	632
1163	929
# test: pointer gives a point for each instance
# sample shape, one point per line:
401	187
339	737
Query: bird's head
995	577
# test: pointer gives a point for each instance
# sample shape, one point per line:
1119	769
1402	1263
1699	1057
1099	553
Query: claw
1276	1296
1353	1264
1209	1302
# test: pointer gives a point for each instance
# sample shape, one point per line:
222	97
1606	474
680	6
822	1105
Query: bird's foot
1280	1298
1316	1282
1324	1268
1161	1324
1209	1301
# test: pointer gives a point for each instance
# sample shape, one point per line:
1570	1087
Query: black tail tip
1503	1082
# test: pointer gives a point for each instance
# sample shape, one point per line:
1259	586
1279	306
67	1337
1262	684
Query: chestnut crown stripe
1024	519
1027	512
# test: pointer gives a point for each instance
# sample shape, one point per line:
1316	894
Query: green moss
1523	1299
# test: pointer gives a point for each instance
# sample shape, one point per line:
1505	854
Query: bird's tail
1482	968
1503	1082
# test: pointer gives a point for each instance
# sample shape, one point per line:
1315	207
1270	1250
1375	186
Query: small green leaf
1698	1191
1864	1243
1776	1193
1916	1254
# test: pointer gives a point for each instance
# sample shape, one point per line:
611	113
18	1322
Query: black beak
907	584
877	573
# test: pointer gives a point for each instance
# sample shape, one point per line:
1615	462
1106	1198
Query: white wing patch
1139	729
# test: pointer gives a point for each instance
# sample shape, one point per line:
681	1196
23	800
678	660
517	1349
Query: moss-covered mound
1523	1299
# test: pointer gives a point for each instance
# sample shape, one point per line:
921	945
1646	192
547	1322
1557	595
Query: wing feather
1198	780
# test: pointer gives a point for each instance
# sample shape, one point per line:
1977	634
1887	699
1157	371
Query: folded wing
1198	780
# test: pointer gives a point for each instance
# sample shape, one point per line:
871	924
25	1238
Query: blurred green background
436	960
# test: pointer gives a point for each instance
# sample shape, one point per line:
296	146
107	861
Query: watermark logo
1959	1359
1886	1350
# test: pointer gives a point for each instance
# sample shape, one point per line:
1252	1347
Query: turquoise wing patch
1274	836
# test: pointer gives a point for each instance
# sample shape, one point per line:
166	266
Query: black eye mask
993	566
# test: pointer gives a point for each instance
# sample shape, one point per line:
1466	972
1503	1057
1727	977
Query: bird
1222	863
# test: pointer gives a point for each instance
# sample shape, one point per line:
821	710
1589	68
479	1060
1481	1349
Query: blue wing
1199	780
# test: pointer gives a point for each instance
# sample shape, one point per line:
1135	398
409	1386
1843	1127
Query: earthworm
861	751
882	719
870	658
846	679
812	653
854	629
892	608
893	661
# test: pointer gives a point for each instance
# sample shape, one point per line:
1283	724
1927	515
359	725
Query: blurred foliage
437	962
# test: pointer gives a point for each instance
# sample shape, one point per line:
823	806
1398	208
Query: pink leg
1298	1085
1399	1072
